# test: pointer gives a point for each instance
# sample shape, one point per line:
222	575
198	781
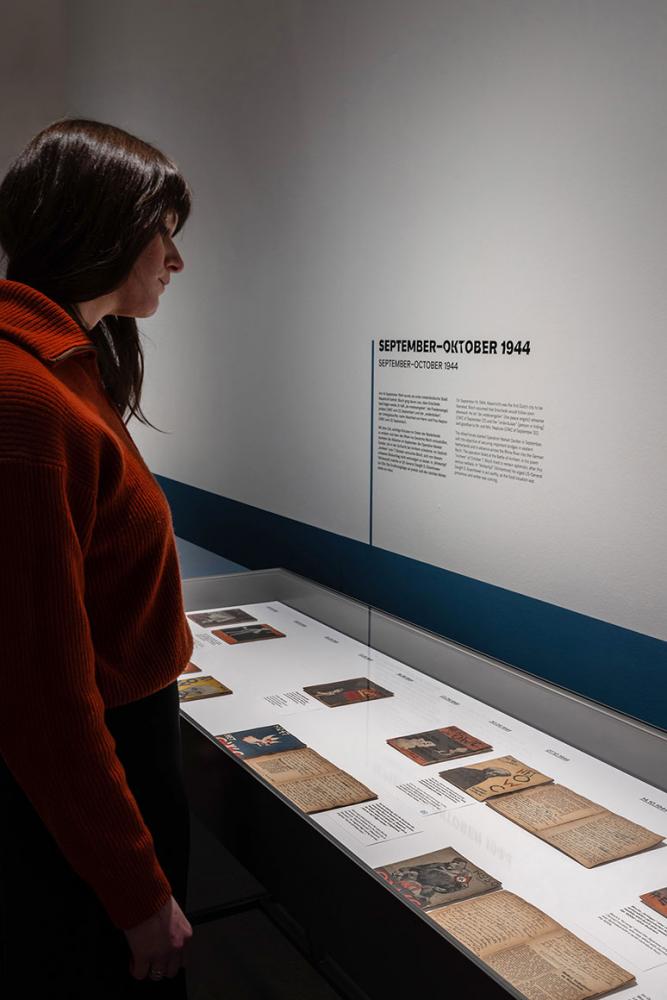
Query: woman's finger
139	967
174	964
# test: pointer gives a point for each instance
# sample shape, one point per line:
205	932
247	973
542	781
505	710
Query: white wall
33	73
253	343
371	168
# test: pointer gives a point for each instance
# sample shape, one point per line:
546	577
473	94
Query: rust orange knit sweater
90	598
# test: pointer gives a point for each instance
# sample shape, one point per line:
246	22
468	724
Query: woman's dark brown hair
77	207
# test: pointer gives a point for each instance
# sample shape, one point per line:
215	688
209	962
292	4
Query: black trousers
54	934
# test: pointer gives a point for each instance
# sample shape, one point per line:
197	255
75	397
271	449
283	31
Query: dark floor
243	956
246	958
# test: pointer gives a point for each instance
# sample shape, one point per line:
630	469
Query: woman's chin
141	312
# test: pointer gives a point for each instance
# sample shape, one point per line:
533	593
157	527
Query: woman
93	817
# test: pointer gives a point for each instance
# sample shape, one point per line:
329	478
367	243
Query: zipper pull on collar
77	349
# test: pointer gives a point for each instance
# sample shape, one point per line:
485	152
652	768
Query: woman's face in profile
139	295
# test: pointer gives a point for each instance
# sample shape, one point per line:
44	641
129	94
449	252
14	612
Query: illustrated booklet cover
494	777
195	688
247	633
657	900
221	616
348	692
259	742
437	878
438	745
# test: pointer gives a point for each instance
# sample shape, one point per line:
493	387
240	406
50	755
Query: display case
426	818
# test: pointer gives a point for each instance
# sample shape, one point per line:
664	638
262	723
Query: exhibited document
409	810
221	616
438	878
247	633
532	952
657	900
494	777
191	668
439	745
259	742
309	781
347	692
196	688
587	832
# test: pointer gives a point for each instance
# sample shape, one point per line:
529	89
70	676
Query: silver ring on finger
156	974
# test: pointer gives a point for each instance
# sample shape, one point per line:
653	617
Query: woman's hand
157	944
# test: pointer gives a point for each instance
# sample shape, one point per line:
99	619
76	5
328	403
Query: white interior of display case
415	812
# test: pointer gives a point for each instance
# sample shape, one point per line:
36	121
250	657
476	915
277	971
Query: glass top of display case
523	820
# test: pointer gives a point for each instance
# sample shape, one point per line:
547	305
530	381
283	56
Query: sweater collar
39	324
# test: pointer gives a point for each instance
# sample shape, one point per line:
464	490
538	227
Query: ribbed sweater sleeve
52	731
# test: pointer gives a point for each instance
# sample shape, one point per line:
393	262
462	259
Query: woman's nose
174	260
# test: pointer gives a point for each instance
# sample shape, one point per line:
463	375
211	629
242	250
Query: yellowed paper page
528	949
559	966
587	832
489	924
290	765
539	809
602	838
328	792
310	781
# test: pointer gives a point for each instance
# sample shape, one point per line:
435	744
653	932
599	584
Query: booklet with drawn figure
499	776
259	742
195	688
437	746
438	878
221	616
247	633
348	692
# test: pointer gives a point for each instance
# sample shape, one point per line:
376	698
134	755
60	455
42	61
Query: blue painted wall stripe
618	667
370	497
